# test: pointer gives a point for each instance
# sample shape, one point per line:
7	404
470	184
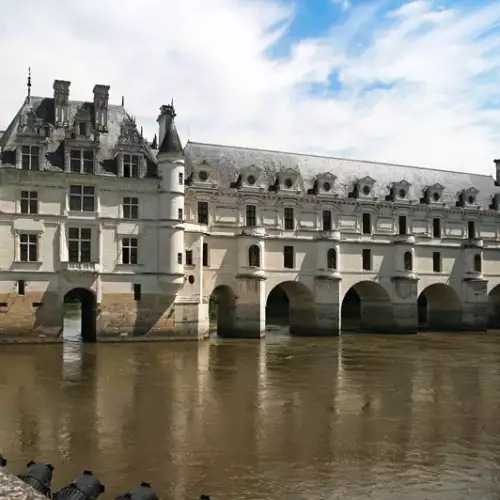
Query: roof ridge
336	158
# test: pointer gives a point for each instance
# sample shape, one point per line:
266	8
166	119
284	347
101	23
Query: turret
171	173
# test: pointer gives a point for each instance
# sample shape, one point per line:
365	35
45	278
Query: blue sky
413	82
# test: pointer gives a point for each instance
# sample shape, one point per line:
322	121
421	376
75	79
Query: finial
29	85
141	132
154	144
123	101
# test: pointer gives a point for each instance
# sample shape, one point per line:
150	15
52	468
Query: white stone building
144	235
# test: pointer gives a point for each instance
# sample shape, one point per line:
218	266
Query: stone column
63	245
250	307
405	311
327	306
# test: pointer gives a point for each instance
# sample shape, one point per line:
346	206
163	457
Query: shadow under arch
222	310
367	307
494	308
291	304
439	308
88	311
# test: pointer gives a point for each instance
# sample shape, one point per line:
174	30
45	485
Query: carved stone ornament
289	179
251	176
325	183
364	187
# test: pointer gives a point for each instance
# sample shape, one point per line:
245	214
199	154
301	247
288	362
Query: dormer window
468	197
363	188
250	177
130	166
366	190
30	157
82	161
288	183
324	183
82	129
399	191
203	176
251	180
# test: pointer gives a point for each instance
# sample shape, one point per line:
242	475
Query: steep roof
229	161
171	143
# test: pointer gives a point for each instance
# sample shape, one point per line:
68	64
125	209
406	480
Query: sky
409	82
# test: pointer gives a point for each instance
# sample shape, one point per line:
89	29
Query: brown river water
357	417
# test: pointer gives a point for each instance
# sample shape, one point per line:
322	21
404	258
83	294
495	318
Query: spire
154	144
28	98
123	101
169	138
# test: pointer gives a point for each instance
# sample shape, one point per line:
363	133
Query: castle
143	234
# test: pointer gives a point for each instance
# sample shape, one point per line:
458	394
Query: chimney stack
61	103
497	166
101	100
167	115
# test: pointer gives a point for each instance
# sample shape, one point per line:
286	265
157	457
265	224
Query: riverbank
12	488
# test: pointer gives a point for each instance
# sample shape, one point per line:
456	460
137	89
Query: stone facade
143	234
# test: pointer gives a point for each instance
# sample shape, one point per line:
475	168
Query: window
79	244
137	292
436	228
130	208
331	259
289	222
189	257
327	220
436	262
29	202
131	166
82	198
179	258
402	224
181	178
254	256
21	287
408	261
251	219
129	250
478	267
28	246
30	158
205	255
471	229
81	161
288	257
202	212
180	214
367	259
82	128
367	224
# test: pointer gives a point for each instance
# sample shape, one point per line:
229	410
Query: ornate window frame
325	184
363	188
433	194
400	191
468	198
251	177
290	180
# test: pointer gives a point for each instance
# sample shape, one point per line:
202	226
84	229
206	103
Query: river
357	417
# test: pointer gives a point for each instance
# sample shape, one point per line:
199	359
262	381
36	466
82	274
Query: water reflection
358	417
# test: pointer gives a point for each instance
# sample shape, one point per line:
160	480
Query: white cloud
437	68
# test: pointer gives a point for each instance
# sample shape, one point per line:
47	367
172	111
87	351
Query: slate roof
229	161
171	143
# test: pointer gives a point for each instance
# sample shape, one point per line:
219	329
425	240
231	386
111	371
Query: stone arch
254	256
331	259
88	311
222	310
494	308
408	261
367	306
439	308
291	303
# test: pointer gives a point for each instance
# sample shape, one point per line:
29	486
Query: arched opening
366	307
80	315
254	256
478	265
290	305
494	308
331	259
222	311
408	261
439	308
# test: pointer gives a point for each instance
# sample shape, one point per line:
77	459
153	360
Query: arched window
254	256
408	261
478	263
331	259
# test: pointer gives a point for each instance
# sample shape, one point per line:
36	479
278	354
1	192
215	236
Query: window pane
24	238
73	253
25	162
126	211
88	203
75	189
133	255
24	253
125	255
32	253
88	190
25	150
85	252
24	206
74	233
75	203
33	206
32	238
86	233
134	212
74	165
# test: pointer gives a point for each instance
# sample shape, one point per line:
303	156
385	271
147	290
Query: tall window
436	262
180	214
81	161
327	220
408	261
28	246
79	244
82	128
189	257
367	259
129	250
478	264
471	229
288	257
181	178
403	229
367	224
254	256
29	202
331	259
436	228
205	255
202	212
82	198
130	207
131	166
251	216
30	158
289	221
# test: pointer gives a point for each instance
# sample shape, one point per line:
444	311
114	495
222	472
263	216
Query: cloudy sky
409	82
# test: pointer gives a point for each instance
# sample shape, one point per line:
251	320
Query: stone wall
12	488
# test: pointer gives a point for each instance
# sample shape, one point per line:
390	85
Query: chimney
168	140
61	103
101	100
